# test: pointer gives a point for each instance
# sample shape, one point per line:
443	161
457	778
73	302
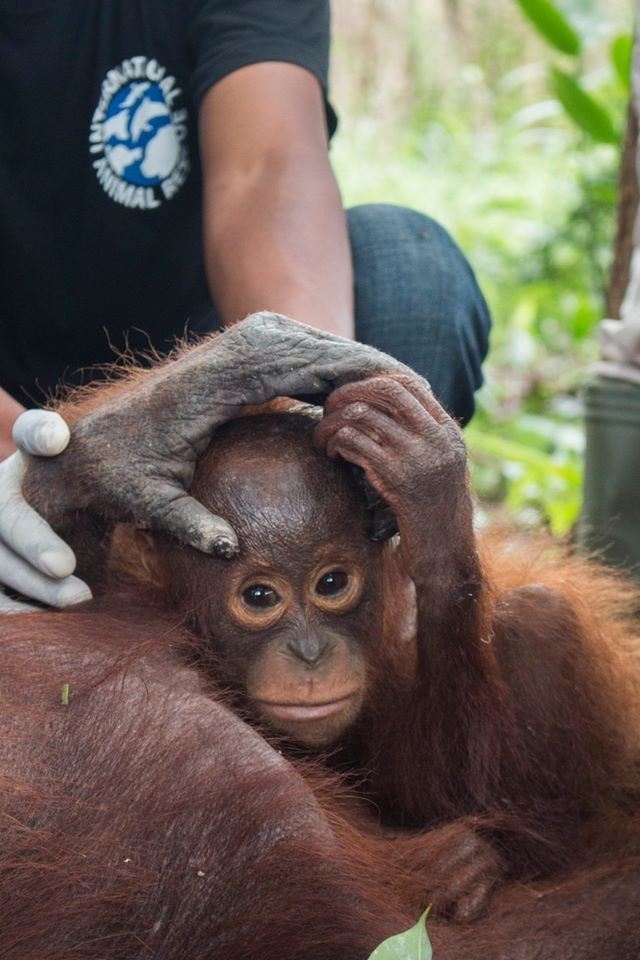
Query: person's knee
403	257
417	298
373	224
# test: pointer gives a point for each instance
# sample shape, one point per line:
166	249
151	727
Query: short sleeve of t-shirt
225	35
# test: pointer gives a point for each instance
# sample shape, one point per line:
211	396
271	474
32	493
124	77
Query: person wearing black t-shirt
165	171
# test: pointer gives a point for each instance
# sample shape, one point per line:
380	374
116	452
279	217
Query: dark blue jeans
416	298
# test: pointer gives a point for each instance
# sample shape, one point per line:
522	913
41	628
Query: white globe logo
140	140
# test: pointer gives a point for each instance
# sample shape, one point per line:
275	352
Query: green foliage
583	109
621	55
541	472
413	944
552	25
475	140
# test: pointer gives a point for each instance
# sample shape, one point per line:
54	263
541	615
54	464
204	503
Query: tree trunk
627	208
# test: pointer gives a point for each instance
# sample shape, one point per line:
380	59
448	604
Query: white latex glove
33	559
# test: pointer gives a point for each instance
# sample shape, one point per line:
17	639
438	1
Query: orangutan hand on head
134	447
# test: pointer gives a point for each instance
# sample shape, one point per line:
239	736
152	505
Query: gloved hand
33	559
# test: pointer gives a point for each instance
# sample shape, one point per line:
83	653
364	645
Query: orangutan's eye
332	583
260	595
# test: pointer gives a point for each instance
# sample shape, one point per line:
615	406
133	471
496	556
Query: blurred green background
453	107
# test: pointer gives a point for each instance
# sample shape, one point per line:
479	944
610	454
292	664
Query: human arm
274	229
272	119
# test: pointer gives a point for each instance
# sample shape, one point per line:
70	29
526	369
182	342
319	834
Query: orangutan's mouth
300	712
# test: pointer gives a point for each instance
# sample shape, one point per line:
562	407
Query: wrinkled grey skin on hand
132	459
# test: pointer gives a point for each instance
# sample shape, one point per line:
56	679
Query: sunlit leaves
531	199
541	464
621	56
588	114
583	109
552	24
413	944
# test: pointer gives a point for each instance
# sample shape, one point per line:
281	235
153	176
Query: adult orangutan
505	714
140	819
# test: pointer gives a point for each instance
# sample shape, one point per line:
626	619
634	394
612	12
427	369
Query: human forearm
274	228
276	239
10	410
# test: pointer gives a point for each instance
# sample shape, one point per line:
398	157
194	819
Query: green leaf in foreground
413	944
552	24
64	695
586	112
621	55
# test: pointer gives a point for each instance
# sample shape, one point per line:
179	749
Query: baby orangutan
493	696
291	623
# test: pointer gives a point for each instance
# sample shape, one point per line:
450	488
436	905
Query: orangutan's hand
412	453
134	443
455	869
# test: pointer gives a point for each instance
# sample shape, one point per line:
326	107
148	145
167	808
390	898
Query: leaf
506	449
413	944
621	52
585	112
552	24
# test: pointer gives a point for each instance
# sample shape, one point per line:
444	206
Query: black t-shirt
100	186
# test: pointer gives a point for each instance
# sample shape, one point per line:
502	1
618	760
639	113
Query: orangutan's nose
311	650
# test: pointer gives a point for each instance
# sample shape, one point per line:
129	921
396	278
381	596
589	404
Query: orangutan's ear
382	520
150	567
134	556
383	524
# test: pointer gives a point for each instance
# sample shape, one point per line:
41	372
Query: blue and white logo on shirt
139	133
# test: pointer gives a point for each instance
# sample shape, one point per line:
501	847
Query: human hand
135	444
33	559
